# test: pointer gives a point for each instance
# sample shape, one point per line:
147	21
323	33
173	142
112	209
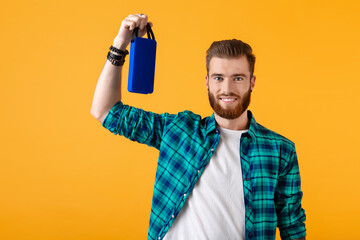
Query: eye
218	78
239	79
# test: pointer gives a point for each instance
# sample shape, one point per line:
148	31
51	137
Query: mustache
228	95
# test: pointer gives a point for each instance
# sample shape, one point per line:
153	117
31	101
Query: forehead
229	66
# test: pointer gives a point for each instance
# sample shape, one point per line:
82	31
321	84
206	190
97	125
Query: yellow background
63	176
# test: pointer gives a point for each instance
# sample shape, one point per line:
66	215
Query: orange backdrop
63	176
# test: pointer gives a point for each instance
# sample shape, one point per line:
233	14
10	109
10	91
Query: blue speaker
142	62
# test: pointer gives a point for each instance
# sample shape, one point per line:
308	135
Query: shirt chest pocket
265	176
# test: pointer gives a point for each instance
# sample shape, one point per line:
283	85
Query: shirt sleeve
288	196
136	124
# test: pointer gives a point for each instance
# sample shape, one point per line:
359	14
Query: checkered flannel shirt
186	143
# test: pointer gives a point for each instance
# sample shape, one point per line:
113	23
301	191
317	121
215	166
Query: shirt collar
253	129
210	124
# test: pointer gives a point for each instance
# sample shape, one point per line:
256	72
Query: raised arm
108	88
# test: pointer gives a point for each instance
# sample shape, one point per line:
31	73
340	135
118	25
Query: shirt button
184	194
212	149
250	234
173	216
159	238
198	171
217	131
247	179
249	207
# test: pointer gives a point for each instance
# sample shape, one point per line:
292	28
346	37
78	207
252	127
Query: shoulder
191	118
271	135
191	122
265	134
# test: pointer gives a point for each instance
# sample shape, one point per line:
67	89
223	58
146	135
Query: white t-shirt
215	209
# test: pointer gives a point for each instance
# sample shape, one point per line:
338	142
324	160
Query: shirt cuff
293	232
111	119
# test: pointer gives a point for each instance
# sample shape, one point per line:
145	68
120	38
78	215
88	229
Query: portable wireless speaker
142	62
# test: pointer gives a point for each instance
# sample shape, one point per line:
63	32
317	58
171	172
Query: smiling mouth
228	99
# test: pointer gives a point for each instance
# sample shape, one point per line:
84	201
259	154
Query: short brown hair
230	49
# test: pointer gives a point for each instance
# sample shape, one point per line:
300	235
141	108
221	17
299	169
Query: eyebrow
234	75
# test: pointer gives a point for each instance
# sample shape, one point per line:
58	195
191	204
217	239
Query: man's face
229	86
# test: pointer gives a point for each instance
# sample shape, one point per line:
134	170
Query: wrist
117	56
120	44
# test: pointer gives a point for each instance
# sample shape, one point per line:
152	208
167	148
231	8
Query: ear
252	82
207	82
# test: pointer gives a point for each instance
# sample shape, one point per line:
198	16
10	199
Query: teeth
228	99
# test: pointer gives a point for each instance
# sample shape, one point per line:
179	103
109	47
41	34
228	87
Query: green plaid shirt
186	143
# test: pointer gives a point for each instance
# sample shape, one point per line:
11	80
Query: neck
240	123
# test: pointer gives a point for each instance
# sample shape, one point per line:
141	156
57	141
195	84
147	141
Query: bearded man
220	177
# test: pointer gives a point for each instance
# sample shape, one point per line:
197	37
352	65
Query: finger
144	31
143	20
128	23
143	24
134	18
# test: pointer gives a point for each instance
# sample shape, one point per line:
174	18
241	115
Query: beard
230	113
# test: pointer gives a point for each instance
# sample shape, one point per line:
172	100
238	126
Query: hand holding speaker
127	27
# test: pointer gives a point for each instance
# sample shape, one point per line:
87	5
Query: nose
227	86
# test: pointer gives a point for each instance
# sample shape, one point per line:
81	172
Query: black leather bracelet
114	61
121	52
117	57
